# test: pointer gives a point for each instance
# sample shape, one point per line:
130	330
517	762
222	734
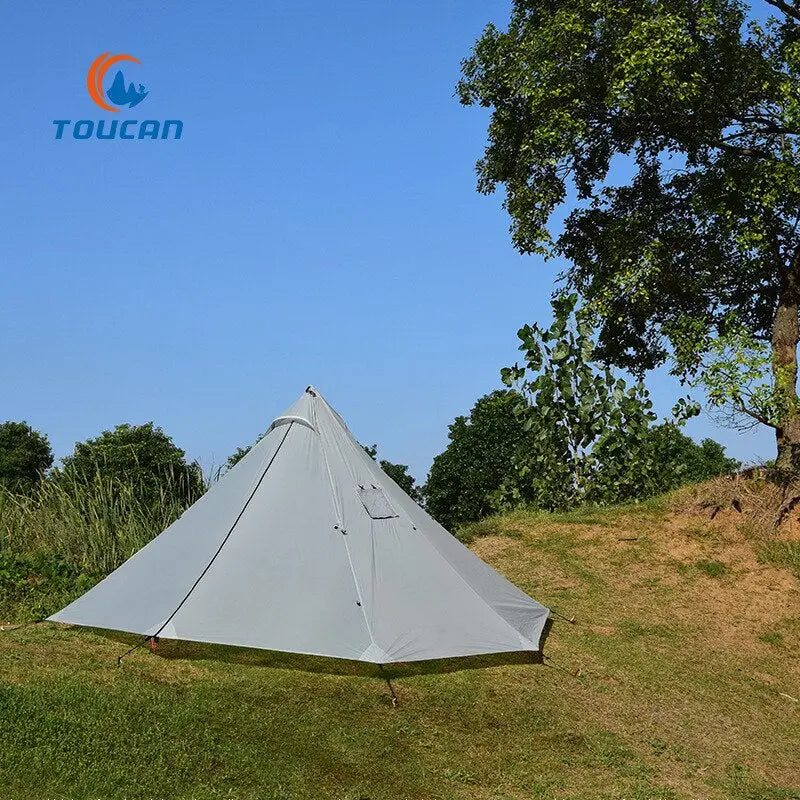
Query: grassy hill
687	641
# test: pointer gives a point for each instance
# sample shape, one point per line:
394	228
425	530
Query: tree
477	462
142	456
397	472
568	431
664	459
697	255
688	462
371	450
241	452
25	456
591	439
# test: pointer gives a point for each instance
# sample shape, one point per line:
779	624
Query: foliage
741	382
691	462
25	456
666	459
35	586
241	452
371	450
570	432
700	106
573	406
94	526
593	437
141	457
397	472
478	460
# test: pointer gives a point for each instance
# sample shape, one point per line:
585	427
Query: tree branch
742	151
787	8
742	409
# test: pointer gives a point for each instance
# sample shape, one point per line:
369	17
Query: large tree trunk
785	335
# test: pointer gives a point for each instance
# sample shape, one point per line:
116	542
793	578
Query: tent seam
227	535
341	524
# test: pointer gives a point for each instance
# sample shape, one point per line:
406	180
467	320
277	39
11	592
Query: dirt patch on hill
687	638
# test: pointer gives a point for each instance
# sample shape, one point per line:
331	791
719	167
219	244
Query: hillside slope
686	642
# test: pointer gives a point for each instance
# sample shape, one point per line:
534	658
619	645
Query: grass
34	586
782	554
58	541
280	726
603	516
714	569
688	689
774	638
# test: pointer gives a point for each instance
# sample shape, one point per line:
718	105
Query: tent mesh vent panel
376	502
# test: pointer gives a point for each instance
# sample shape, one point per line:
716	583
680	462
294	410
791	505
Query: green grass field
687	640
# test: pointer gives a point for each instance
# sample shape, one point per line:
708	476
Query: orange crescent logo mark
94	78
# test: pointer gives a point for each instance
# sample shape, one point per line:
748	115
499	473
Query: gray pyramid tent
306	546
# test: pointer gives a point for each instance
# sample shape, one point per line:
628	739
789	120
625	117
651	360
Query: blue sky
317	223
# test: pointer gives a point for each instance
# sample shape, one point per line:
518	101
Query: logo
119	96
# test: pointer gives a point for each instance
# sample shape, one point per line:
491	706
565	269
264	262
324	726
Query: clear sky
317	223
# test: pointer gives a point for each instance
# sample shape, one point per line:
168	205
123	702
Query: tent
306	546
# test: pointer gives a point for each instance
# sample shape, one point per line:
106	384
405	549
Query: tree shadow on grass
174	649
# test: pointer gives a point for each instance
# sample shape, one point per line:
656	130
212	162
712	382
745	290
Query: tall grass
94	525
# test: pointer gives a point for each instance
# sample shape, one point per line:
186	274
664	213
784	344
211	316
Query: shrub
140	457
25	456
567	432
660	460
479	459
35	586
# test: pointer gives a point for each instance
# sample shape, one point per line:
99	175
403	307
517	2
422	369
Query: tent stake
548	662
135	647
571	619
395	699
